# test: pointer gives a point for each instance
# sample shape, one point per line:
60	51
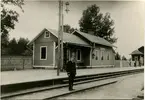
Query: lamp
67	4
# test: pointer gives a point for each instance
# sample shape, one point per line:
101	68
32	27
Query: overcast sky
129	18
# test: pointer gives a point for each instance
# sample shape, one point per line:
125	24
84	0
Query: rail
59	83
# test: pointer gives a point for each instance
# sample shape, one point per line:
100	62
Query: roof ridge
56	30
87	33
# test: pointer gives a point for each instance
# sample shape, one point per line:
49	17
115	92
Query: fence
123	63
16	63
25	62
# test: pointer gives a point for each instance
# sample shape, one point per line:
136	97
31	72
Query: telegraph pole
62	40
59	37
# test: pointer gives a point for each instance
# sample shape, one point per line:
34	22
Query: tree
19	47
95	23
13	50
68	29
124	58
8	16
22	45
4	44
4	41
8	19
117	56
27	53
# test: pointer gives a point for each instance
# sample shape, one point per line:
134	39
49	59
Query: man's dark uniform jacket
71	67
71	71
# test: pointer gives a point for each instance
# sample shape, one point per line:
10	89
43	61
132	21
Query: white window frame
77	54
45	34
40	52
97	54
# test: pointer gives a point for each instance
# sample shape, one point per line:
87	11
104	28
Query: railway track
60	89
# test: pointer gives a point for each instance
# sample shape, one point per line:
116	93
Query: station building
91	51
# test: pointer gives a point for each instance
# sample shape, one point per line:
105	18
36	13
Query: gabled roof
95	39
67	38
73	39
136	52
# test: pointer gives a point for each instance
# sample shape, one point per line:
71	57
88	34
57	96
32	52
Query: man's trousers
71	80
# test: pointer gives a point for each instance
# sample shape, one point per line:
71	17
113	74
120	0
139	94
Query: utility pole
59	37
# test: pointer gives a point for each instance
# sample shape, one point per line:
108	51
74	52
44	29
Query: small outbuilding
138	56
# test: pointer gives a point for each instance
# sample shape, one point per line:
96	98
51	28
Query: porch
139	59
83	55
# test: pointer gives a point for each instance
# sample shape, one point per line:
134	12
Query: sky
129	18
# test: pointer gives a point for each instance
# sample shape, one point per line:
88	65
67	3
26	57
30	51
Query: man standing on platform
71	71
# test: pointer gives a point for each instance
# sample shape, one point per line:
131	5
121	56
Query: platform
13	77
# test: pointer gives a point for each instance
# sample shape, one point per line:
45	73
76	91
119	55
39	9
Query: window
43	53
108	56
136	58
102	55
78	55
47	34
97	55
